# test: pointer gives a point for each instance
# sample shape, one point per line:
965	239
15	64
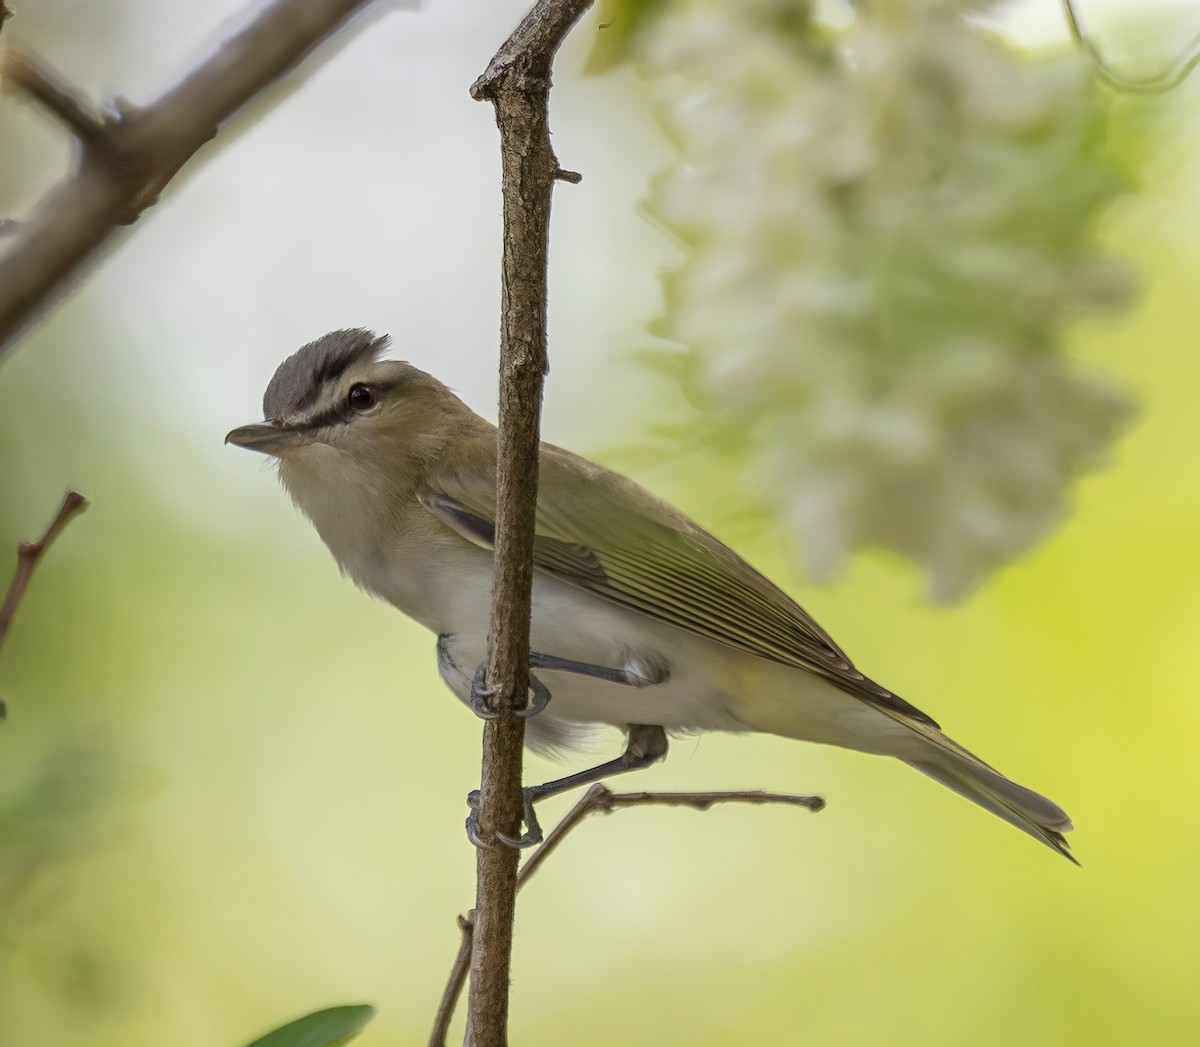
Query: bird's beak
264	437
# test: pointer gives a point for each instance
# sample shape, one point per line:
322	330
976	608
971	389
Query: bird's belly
708	686
681	702
571	624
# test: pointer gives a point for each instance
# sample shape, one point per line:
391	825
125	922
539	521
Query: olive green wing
603	533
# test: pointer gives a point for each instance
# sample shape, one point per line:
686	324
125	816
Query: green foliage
331	1027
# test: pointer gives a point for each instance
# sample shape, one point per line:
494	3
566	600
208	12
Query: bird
641	619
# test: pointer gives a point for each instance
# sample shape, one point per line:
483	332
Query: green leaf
328	1028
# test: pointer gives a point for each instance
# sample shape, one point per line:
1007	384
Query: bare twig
29	555
1166	79
127	157
517	83
455	983
598	798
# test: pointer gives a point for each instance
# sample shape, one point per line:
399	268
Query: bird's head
337	394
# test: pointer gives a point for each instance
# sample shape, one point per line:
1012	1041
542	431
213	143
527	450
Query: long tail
828	716
969	776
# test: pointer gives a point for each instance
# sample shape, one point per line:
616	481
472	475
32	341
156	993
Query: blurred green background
231	786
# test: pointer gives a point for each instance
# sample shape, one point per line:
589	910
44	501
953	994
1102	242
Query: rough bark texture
126	158
517	83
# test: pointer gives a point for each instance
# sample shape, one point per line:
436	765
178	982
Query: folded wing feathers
687	580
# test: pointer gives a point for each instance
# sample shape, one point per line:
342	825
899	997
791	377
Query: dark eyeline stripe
339	413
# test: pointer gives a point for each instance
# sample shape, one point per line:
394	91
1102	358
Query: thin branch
29	555
517	82
1166	79
598	798
127	157
455	983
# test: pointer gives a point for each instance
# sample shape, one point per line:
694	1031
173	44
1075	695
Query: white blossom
888	230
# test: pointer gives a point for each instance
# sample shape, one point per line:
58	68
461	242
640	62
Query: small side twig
455	983
598	798
44	86
29	555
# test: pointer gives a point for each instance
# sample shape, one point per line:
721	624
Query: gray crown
299	379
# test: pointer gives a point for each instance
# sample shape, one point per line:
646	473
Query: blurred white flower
888	229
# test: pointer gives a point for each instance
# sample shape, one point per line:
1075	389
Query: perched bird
641	619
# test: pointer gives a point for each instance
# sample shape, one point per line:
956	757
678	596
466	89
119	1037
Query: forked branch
598	798
126	156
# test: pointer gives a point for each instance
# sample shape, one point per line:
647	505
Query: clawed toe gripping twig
483	696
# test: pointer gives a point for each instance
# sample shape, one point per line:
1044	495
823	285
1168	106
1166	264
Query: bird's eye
361	397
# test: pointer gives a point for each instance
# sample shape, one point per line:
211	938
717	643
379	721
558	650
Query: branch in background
127	157
455	983
1164	80
517	83
29	555
597	798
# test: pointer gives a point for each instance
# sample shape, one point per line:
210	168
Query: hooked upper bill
263	437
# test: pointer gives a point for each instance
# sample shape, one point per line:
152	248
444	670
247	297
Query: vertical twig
517	83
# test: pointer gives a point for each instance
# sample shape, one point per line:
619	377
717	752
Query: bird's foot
539	700
473	819
533	829
532	834
483	696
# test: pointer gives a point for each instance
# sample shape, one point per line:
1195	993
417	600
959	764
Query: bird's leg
483	697
600	672
646	744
